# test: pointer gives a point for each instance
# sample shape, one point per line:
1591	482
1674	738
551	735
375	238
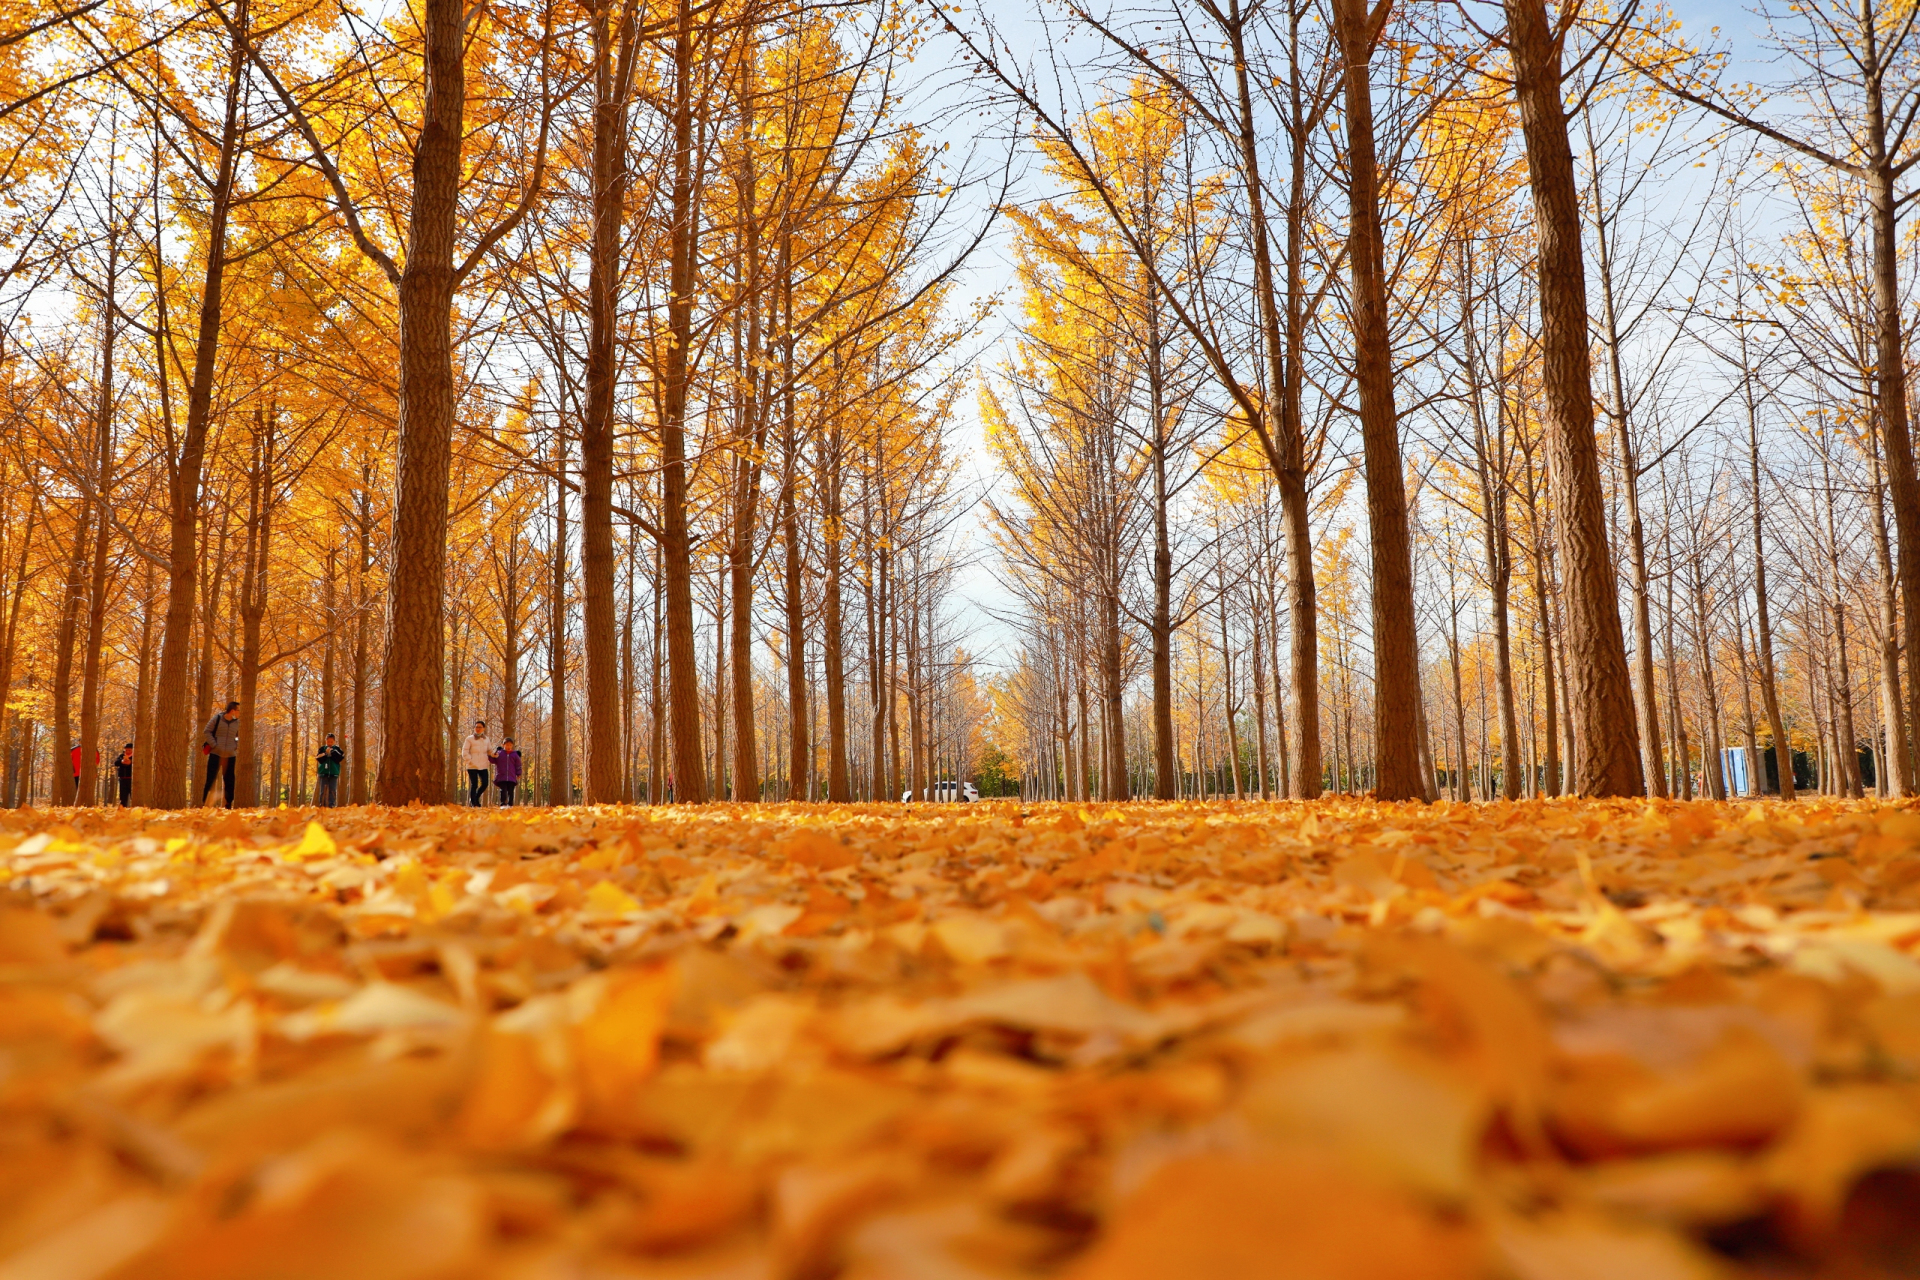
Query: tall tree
1600	692
413	760
174	714
1396	676
614	47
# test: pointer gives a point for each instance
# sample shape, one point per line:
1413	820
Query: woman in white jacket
473	754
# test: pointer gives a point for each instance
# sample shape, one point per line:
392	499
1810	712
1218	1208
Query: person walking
326	791
474	754
506	771
123	771
220	744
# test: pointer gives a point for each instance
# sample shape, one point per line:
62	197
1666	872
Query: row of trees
588	368
580	368
1377	362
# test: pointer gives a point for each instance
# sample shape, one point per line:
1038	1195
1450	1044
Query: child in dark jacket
506	771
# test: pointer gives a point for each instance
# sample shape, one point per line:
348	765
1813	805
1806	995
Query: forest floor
1338	1041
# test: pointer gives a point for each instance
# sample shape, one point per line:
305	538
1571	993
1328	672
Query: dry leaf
980	1042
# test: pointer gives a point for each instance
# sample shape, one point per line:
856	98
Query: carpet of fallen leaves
1540	1041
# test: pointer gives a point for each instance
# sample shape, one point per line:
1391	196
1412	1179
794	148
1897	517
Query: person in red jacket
75	754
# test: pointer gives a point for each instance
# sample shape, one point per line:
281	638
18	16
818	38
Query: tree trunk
749	465
1112	692
1428	775
746	759
511	641
1763	623
10	636
1459	709
683	671
717	782
142	696
1648	701
173	717
90	673
799	750
1554	782
252	592
1710	695
362	602
453	787
1258	679
1165	768
213	575
1891	376
1599	691
1283	784
1498	552
1283	342
875	578
297	775
1683	761
1898	771
894	775
609	161
1846	734
329	689
63	790
629	738
559	766
657	719
917	658
413	759
832	653
1396	655
29	735
1754	780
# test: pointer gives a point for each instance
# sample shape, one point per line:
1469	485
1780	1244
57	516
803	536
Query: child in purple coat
506	770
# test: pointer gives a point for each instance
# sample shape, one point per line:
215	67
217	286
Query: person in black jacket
123	770
327	793
220	743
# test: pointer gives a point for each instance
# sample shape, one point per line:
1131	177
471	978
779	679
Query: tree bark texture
63	791
1895	424
91	673
683	672
1396	652
611	72
413	760
1599	691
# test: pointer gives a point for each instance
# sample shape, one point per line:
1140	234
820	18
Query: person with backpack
326	789
220	744
506	771
474	754
123	772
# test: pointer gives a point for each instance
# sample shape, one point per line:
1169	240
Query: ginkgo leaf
677	1039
